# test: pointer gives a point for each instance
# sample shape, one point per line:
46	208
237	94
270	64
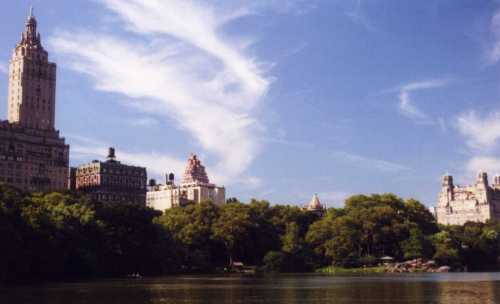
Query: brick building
33	156
111	181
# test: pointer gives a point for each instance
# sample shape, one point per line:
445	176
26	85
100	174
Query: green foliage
275	261
62	235
65	235
413	246
447	248
473	244
292	240
232	227
191	230
351	271
372	226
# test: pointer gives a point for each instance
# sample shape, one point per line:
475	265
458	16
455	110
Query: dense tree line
55	236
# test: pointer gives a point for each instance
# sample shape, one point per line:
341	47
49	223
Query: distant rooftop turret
315	204
447	180
482	178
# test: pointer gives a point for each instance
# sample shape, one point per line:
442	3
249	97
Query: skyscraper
33	156
32	82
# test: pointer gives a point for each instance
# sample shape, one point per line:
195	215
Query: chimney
111	154
496	180
152	182
170	179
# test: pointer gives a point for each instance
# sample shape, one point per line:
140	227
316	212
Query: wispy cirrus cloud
84	148
406	104
480	132
295	7
178	62
482	164
482	135
3	68
358	15
145	122
369	163
157	164
494	50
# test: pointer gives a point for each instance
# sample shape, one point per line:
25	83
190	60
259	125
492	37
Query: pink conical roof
195	171
315	204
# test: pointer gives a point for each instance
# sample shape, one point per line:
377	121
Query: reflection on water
453	288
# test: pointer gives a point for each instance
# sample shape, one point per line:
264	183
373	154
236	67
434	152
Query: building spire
31	35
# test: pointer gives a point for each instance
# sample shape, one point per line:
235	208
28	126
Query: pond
453	288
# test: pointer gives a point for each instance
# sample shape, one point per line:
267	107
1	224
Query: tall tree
232	227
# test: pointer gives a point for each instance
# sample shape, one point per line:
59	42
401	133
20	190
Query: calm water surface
453	288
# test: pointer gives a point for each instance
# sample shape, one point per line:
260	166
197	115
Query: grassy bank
342	270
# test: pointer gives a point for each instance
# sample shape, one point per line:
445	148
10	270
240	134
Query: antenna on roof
31	11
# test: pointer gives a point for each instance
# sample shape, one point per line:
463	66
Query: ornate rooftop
195	171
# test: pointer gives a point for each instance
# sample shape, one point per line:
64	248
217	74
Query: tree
263	235
12	239
447	249
416	212
191	230
275	261
345	246
369	227
413	247
232	227
291	240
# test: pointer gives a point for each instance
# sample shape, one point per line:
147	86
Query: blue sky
280	99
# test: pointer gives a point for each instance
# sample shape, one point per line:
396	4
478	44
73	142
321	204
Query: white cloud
3	68
294	7
494	53
442	124
158	164
483	164
481	133
178	61
85	149
369	163
358	16
406	105
145	122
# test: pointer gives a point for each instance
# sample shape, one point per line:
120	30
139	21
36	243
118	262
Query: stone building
33	156
111	181
194	187
476	203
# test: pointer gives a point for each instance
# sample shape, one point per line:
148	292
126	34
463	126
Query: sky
280	99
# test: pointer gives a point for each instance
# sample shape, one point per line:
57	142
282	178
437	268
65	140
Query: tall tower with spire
33	155
32	81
